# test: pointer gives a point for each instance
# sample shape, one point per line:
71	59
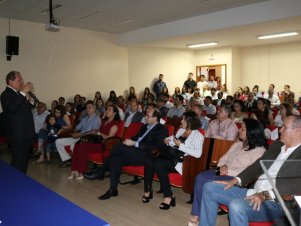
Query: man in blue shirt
88	124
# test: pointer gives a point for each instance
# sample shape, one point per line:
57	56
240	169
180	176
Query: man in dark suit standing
133	151
19	119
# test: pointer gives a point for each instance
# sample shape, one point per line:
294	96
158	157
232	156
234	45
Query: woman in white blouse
188	141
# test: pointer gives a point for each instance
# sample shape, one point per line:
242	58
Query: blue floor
25	202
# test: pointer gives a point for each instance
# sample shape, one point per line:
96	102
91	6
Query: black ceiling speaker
12	45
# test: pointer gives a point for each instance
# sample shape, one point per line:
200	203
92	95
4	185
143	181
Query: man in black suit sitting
133	151
19	119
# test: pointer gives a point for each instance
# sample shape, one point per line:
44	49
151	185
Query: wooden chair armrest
191	167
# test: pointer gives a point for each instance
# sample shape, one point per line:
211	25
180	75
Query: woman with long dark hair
250	146
262	113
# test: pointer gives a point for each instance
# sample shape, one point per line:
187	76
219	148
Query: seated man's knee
237	206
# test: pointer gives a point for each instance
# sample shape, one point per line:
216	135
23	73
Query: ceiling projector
52	27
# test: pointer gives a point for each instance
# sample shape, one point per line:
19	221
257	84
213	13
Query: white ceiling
147	22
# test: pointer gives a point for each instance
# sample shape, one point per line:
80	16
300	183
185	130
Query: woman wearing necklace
250	146
187	141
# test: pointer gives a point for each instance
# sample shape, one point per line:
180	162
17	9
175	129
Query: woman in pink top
250	146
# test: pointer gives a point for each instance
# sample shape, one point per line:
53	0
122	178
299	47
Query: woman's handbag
92	138
172	153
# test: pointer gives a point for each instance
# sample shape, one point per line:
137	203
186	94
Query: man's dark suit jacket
19	118
285	183
138	116
214	102
154	140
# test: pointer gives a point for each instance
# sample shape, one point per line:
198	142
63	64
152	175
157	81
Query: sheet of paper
179	168
275	134
298	200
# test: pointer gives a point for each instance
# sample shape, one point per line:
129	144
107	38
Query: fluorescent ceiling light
124	22
279	35
205	44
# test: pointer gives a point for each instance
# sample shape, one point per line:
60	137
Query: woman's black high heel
146	199
165	206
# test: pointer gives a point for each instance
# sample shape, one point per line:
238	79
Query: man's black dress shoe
98	173
111	192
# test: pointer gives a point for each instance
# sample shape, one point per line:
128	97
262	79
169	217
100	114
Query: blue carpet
25	202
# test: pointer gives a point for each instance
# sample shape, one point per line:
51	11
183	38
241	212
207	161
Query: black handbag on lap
92	138
173	153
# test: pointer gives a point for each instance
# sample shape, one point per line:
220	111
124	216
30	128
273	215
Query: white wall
66	62
145	65
81	61
278	64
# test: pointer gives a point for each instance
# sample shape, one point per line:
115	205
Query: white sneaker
74	174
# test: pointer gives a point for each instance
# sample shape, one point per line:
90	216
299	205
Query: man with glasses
223	127
258	203
133	151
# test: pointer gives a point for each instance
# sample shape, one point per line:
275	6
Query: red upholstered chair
264	223
175	122
271	128
138	171
202	131
132	130
238	124
170	129
99	157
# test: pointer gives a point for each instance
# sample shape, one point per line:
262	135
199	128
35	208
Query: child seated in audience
52	134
